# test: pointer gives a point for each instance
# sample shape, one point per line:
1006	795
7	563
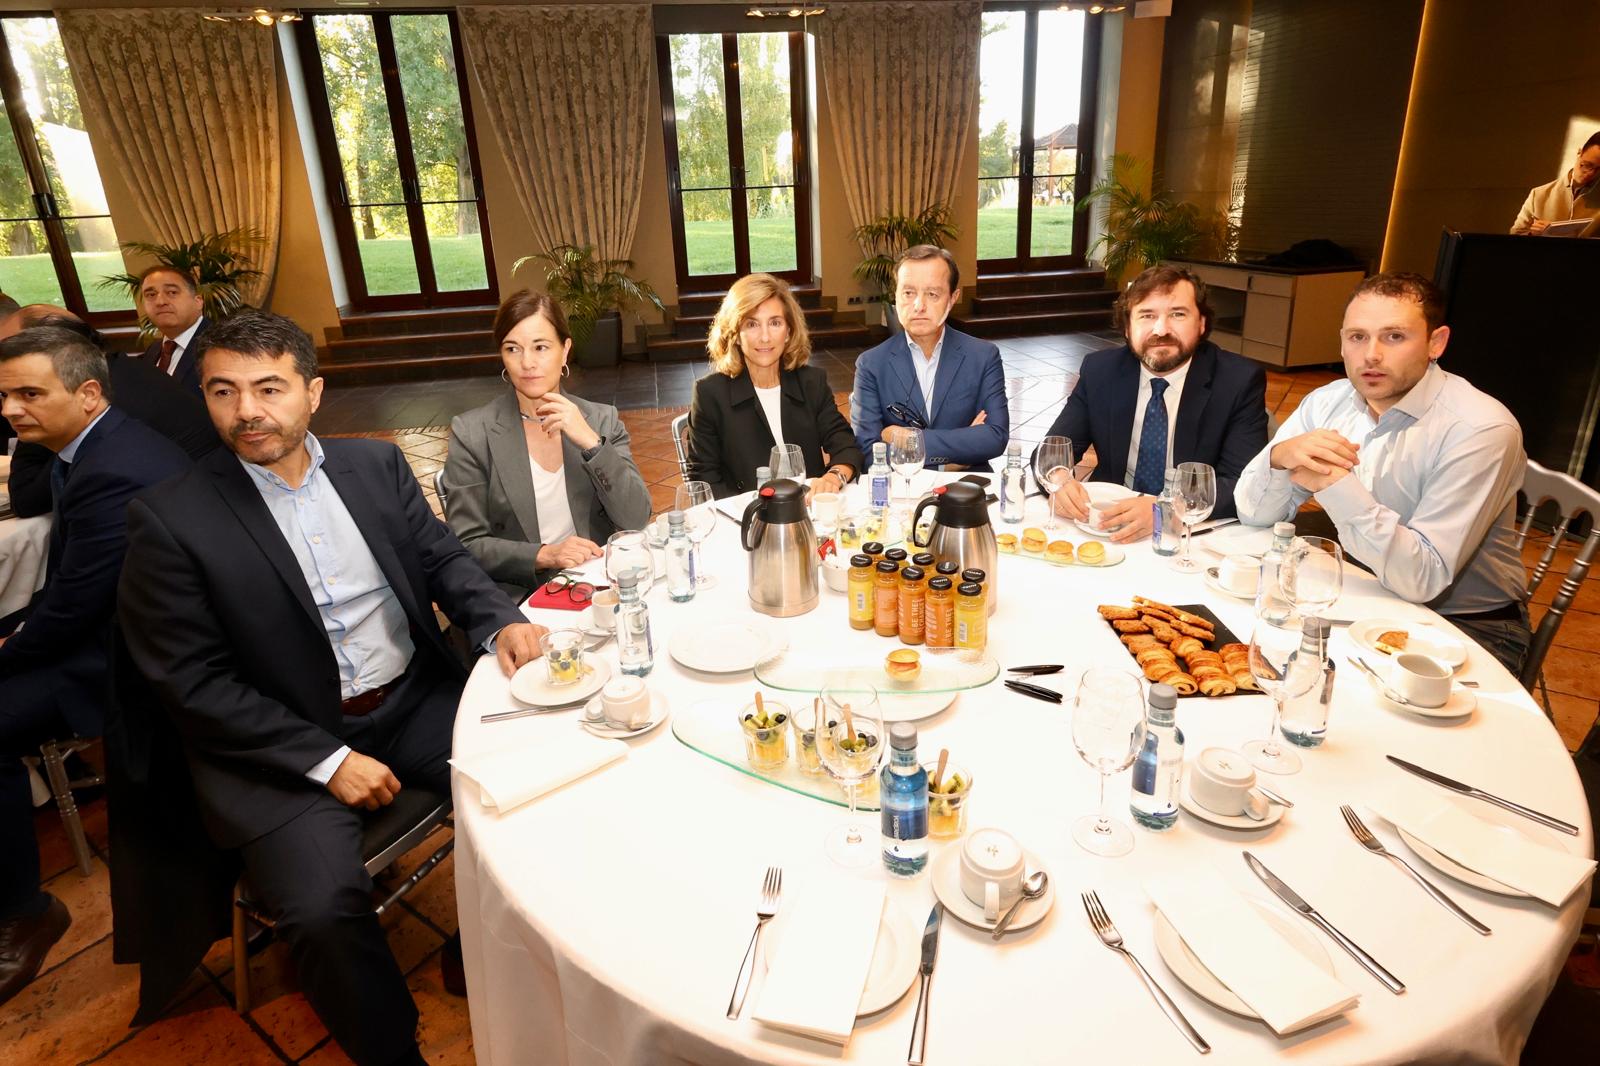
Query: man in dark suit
949	385
53	669
1168	396
279	600
171	300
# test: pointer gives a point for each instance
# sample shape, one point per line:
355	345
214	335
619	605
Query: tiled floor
78	1009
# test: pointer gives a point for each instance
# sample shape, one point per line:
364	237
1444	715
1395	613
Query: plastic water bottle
1158	771
1305	716
903	804
763	475
634	647
680	559
1166	529
1272	604
878	477
1013	486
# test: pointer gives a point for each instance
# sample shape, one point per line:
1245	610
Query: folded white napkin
1236	944
820	967
508	778
1546	873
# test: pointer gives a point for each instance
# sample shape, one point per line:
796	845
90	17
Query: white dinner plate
1214	583
947	887
895	960
1187	801
915	706
531	683
1188	968
1449	867
594	718
724	647
1237	540
1421	637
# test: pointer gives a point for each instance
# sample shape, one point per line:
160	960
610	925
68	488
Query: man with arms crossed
1418	470
279	599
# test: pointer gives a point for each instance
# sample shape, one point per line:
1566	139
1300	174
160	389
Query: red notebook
554	601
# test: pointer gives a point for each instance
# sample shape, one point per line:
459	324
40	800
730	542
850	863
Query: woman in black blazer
759	347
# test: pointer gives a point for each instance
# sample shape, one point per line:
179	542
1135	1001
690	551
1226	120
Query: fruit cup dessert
765	725
947	801
804	721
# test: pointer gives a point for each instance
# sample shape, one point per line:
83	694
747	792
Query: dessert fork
1364	836
771	890
1113	940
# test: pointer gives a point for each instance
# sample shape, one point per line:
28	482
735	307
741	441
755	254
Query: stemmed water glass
1052	468
694	499
851	753
629	549
1108	730
907	454
1281	674
1312	574
1194	495
787	461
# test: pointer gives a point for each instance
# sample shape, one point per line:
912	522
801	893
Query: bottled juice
897	556
861	592
940	613
910	617
972	629
886	599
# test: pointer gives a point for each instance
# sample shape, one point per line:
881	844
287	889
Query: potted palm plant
883	239
593	292
219	262
1145	228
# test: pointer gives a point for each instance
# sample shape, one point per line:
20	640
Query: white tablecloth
24	549
605	923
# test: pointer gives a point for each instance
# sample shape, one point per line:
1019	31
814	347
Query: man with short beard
1168	396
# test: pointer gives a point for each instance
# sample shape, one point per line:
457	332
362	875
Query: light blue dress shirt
927	368
70	452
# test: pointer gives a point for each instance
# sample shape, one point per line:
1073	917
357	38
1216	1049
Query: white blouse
550	497
772	405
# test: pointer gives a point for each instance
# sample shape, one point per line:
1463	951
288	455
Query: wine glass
851	746
1194	495
907	454
787	461
1312	574
629	549
1108	730
694	499
1052	468
1283	675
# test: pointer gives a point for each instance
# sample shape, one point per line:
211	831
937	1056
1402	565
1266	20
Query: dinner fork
771	890
1374	845
1112	939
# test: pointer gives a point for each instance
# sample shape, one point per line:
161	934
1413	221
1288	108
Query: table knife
1468	790
1294	899
919	1020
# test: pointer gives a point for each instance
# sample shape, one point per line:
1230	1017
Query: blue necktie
1150	472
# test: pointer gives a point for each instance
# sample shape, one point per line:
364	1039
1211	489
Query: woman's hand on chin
557	414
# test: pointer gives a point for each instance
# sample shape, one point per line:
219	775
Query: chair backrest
680	443
1572	499
438	485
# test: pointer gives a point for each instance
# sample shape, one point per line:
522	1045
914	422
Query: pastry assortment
1061	552
1159	635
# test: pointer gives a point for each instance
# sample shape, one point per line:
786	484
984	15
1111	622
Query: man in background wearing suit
170	299
949	385
279	599
53	389
1168	396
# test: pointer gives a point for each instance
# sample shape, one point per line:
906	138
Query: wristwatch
840	472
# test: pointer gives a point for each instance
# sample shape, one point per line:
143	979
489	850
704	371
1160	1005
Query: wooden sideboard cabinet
1281	316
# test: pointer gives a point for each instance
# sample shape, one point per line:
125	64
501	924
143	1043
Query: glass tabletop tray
711	728
943	671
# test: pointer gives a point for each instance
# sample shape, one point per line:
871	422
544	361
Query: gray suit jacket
488	480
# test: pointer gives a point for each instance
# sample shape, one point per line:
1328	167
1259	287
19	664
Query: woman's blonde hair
747	294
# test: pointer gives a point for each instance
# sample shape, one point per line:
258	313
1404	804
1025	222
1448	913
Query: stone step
431	321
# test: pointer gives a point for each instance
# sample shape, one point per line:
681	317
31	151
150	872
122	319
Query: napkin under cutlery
509	777
1549	874
1236	944
814	982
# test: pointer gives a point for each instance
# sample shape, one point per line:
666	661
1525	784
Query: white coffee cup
992	866
603	610
625	702
1239	574
1222	781
1421	679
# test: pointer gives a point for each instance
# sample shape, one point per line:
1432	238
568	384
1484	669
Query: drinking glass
1193	497
694	499
851	755
629	549
1273	644
1108	731
907	454
1312	574
1052	468
787	462
563	655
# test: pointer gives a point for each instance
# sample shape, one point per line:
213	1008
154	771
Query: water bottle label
880	492
905	825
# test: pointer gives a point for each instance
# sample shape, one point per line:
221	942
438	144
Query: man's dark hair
1399	285
1592	142
8	306
1161	279
929	251
76	358
262	335
189	281
56	320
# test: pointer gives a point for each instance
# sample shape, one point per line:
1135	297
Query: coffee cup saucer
593	719
1192	806
946	877
1214	583
1461	703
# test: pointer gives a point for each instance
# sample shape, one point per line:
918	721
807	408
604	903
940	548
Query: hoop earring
503	376
566	370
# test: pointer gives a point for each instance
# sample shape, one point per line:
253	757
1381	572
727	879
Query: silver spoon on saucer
1032	888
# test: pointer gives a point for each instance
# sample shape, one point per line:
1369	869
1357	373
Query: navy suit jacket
1222	417
188	374
970	379
67	636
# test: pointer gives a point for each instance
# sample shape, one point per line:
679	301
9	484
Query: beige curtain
192	110
567	90
902	87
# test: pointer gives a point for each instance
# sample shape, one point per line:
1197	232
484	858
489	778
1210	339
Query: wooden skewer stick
849	723
938	773
761	708
819	721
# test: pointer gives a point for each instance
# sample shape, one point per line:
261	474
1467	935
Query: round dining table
605	922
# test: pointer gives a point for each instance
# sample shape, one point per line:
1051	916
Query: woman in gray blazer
536	480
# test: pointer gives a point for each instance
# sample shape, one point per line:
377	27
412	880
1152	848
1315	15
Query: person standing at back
171	300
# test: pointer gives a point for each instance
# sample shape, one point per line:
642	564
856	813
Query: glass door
734	112
400	158
1037	76
57	243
